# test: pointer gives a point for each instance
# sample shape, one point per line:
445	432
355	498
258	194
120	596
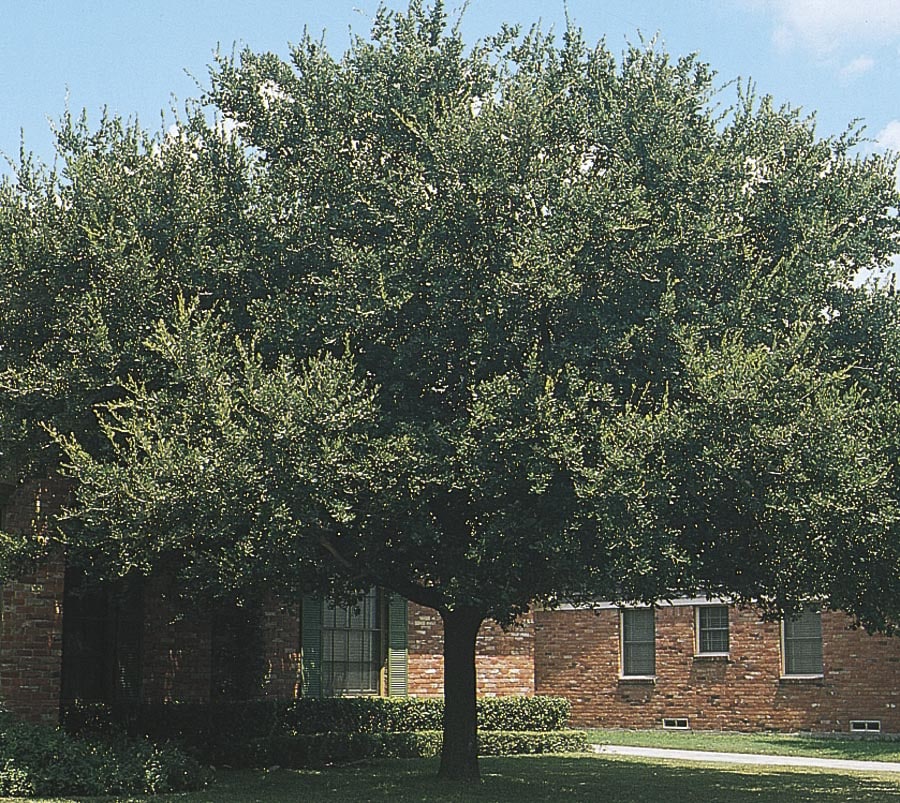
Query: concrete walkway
748	758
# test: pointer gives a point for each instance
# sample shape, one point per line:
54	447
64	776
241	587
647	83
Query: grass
779	744
537	779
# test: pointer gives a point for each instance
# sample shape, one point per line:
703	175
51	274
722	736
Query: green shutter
397	646
311	646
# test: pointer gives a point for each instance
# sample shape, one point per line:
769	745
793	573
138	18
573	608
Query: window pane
638	642
351	639
355	650
638	624
713	628
803	644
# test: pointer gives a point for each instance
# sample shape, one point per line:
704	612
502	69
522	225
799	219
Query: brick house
62	641
711	666
701	664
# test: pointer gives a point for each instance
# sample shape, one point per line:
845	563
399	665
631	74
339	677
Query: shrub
363	715
300	750
210	721
318	749
246	733
393	714
511	743
90	719
37	760
523	713
215	733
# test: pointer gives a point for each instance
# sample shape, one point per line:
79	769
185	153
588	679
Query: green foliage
319	749
216	733
363	714
537	779
487	326
241	733
38	760
513	743
89	720
538	713
386	714
867	747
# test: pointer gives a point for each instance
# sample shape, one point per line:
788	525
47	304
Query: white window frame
802	675
623	675
698	649
373	634
865	726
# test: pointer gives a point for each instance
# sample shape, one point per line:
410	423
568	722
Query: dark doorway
238	655
102	628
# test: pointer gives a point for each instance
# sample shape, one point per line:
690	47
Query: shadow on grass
537	779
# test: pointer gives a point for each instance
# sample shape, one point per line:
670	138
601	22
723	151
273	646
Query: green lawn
537	779
772	743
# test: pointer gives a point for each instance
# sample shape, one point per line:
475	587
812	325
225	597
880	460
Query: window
361	649
802	644
5	493
712	629
351	647
102	647
638	642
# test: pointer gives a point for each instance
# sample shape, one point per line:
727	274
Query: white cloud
824	25
889	136
859	66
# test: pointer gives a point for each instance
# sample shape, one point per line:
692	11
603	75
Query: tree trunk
459	755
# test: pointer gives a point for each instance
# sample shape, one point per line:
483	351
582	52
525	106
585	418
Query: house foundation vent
675	723
865	726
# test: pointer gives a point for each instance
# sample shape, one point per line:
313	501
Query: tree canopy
487	326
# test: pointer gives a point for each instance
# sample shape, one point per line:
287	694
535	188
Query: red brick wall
569	653
504	661
577	656
176	649
281	642
31	629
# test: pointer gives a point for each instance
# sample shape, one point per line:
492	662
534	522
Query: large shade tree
487	326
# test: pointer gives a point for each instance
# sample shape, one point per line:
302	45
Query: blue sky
838	57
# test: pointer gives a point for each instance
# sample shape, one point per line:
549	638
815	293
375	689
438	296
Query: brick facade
504	662
176	650
31	629
570	653
281	646
578	656
178	656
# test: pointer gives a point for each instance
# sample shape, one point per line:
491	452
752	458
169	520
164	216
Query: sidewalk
748	758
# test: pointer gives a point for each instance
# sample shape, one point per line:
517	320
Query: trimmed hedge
536	713
39	761
241	733
300	750
363	715
513	743
396	714
297	751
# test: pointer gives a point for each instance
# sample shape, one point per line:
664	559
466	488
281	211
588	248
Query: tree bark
459	754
